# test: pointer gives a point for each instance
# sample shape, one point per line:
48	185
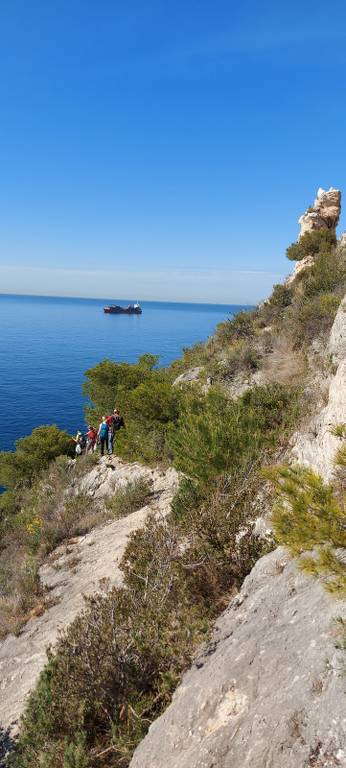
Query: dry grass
129	499
51	512
283	364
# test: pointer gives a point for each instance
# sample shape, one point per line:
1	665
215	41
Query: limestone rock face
267	691
325	212
316	447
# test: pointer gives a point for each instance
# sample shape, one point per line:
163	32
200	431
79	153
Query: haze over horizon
164	152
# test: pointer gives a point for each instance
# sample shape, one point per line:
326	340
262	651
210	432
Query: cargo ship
131	309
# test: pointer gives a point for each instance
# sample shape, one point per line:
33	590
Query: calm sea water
46	345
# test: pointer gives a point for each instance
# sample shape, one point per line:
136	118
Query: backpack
118	422
103	431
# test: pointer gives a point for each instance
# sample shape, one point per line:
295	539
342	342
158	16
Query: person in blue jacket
102	435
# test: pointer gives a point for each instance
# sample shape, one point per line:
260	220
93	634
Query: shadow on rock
7	744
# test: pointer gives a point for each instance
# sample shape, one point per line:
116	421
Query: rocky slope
269	691
74	570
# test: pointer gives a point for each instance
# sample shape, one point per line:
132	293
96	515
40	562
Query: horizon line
105	298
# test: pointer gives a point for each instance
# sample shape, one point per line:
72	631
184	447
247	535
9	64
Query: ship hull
115	310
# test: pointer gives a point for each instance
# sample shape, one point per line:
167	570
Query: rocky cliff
316	446
269	690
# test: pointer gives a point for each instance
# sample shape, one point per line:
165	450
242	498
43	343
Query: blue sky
164	150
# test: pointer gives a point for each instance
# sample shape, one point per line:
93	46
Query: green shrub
32	456
326	274
281	296
239	327
215	435
145	395
276	407
211	436
312	243
307	517
240	356
75	755
133	496
218	558
272	312
188	496
313	317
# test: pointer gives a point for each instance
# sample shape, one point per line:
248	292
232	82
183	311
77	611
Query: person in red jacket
91	439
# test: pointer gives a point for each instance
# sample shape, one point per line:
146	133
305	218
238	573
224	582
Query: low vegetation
312	244
38	516
19	469
309	517
133	496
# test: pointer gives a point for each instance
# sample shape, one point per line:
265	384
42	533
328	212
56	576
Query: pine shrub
308	518
312	243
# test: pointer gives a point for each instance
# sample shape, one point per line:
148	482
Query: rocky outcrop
299	267
74	570
269	690
325	212
189	376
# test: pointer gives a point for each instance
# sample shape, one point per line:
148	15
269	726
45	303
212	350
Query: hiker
109	420
91	439
102	434
118	421
80	443
115	422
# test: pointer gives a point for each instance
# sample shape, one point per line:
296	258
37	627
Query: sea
47	344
